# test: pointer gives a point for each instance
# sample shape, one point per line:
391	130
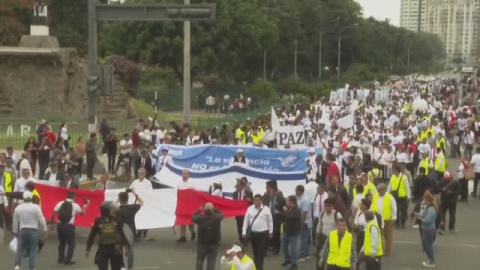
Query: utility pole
144	12
319	55
265	64
186	69
295	59
339	60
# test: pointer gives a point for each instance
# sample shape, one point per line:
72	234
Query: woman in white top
64	134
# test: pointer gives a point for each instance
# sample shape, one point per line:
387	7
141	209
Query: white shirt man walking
27	220
185	184
67	211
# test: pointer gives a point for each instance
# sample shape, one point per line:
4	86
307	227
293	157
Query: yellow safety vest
395	183
370	187
368	240
35	193
374	173
7	182
244	260
386	206
425	163
256	138
339	254
240	135
440	167
440	143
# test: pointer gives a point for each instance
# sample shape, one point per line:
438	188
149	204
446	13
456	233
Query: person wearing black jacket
111	146
208	220
242	192
322	166
421	184
291	233
449	190
111	241
274	199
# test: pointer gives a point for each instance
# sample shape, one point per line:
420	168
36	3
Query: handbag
469	171
248	233
395	192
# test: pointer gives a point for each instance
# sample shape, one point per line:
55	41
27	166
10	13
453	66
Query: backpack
65	212
109	234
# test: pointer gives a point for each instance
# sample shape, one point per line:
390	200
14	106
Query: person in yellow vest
338	253
425	162
375	173
440	142
440	164
369	186
255	135
399	187
236	259
240	136
384	204
372	250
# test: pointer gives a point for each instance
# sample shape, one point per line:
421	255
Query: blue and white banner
171	175
211	157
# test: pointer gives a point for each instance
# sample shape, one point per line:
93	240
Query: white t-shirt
75	209
461	171
357	200
124	142
475	162
311	190
25	164
20	184
141	185
185	185
64	133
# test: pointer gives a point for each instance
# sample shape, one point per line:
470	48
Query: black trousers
275	241
333	267
209	252
320	243
239	221
42	166
259	242
360	240
475	184
463	189
66	240
402	211
104	257
451	207
373	263
111	162
90	164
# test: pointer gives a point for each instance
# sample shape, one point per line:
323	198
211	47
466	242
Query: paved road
165	254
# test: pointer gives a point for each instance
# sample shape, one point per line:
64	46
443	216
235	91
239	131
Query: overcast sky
382	9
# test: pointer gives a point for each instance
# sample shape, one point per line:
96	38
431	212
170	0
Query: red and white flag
162	207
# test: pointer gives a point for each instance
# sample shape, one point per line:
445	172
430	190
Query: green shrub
262	93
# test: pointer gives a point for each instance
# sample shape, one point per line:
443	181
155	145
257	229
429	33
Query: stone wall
52	84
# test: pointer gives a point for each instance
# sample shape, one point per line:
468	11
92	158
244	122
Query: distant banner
291	135
171	175
211	157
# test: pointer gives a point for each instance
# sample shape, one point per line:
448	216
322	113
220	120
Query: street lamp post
339	60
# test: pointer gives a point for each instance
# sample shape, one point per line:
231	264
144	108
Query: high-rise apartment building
457	23
412	15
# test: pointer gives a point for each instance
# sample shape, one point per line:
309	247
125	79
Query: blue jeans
289	243
428	236
130	258
27	240
305	242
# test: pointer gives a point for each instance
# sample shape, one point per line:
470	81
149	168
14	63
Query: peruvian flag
162	207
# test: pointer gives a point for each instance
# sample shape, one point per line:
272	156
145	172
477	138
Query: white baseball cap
234	249
240	150
27	195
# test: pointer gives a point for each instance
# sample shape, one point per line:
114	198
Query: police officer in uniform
112	242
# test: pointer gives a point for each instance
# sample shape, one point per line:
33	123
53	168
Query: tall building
457	23
412	15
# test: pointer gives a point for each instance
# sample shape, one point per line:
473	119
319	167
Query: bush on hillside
127	70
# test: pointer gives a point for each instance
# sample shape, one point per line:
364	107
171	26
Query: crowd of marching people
391	154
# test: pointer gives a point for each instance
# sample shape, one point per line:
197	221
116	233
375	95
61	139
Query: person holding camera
208	220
